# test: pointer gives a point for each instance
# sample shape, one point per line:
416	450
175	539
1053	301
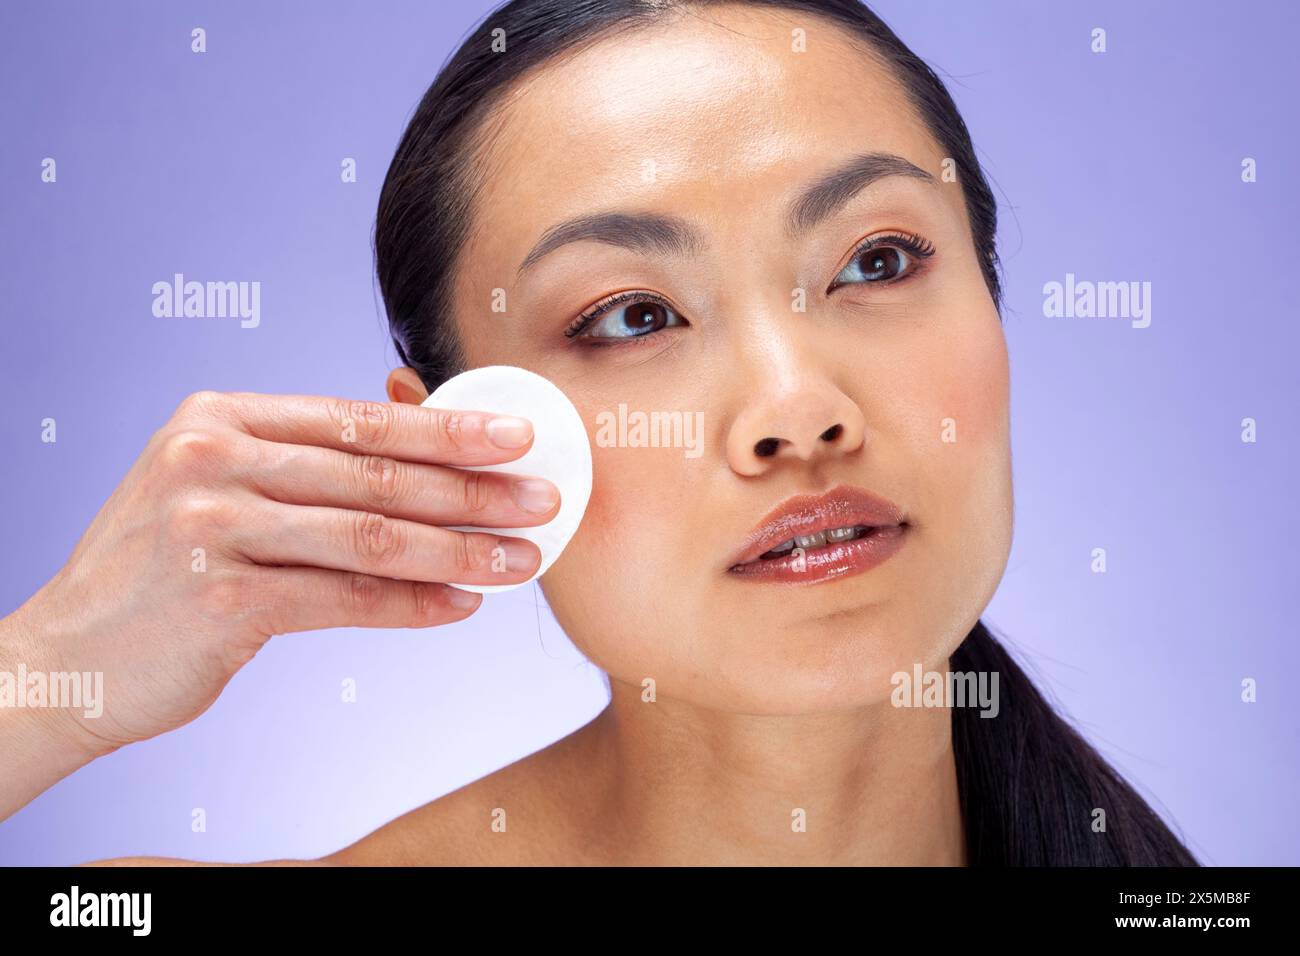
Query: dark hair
1029	783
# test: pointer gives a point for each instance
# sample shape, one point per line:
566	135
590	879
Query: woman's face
713	125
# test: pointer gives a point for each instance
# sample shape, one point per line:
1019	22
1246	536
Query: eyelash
915	245
605	306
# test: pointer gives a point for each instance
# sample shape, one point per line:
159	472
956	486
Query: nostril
832	433
767	447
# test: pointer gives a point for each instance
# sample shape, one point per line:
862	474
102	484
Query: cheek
623	575
969	464
966	376
944	395
952	392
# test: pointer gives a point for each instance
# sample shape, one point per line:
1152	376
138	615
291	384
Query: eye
628	315
883	259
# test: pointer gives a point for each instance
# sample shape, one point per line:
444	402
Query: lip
805	515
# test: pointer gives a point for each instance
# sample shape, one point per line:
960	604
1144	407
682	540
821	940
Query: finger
392	429
310	599
371	543
431	494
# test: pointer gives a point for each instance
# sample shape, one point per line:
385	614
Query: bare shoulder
538	810
526	813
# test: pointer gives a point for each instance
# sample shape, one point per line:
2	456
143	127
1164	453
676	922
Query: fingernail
505	431
520	555
461	600
535	495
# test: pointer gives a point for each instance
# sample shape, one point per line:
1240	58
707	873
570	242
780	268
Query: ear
404	386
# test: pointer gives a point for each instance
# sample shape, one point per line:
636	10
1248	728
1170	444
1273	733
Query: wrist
41	702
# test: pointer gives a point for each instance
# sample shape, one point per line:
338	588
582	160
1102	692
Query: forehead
704	113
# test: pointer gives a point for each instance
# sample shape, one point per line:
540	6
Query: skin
770	700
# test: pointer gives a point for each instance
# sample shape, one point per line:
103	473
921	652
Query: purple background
1121	166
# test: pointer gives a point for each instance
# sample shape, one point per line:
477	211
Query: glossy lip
840	507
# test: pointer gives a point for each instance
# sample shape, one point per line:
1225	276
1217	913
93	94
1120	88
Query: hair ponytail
1030	784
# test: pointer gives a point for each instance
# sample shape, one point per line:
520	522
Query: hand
253	515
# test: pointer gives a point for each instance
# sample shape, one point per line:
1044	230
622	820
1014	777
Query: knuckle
378	539
200	404
362	594
191	448
475	491
196	516
424	596
452	427
380	477
370	422
471	552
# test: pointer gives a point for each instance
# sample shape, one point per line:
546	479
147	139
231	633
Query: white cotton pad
561	451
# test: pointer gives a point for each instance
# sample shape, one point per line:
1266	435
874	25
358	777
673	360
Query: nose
809	420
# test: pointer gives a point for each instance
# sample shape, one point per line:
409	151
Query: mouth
814	538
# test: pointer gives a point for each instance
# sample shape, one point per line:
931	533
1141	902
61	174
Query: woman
766	215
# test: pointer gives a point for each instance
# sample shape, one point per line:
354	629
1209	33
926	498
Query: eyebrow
840	185
671	235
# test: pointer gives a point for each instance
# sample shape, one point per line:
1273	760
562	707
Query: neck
680	784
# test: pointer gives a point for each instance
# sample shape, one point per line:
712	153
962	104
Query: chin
819	666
